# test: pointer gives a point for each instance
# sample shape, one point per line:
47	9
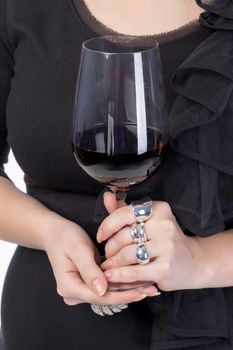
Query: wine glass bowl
120	121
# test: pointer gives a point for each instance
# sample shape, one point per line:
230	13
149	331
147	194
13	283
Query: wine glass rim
154	44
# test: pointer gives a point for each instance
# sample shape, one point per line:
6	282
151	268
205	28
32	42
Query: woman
53	276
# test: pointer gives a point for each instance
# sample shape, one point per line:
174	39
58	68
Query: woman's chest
48	37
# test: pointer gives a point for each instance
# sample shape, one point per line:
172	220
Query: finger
117	241
70	285
80	267
156	230
123	297
63	268
125	216
110	202
90	272
151	291
123	237
134	273
149	288
73	289
127	255
115	221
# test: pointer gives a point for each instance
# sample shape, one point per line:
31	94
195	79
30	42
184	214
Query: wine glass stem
120	196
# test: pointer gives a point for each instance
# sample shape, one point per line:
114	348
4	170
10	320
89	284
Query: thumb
90	272
110	202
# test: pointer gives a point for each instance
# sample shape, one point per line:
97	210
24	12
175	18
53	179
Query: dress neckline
100	29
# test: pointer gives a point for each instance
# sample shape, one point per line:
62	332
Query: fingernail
100	289
155	294
143	296
108	274
99	236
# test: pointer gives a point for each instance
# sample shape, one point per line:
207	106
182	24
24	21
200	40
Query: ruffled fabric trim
201	125
204	83
219	14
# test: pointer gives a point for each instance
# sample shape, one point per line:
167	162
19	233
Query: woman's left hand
175	259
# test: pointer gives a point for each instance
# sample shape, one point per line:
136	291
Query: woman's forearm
23	219
215	259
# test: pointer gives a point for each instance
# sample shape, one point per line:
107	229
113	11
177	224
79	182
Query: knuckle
74	246
62	289
119	238
129	209
166	207
168	225
167	269
169	228
164	285
126	274
67	301
133	274
123	274
122	256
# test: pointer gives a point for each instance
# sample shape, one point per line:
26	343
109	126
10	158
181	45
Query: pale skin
136	17
25	221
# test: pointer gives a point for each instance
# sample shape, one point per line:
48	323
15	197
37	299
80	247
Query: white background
7	249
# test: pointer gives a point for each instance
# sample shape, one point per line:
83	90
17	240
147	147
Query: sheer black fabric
201	129
198	181
219	13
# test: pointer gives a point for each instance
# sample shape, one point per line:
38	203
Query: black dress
39	55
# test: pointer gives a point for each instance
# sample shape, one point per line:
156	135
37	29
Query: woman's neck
147	17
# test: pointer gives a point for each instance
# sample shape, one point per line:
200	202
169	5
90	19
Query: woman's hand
174	263
79	279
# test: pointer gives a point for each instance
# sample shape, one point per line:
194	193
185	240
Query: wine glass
120	119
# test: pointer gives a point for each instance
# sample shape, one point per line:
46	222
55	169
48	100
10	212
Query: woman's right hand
79	279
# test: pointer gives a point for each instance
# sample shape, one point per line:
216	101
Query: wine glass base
122	287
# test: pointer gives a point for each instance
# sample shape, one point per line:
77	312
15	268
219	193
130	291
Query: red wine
115	160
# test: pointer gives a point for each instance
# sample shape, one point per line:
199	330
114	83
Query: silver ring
142	254
103	310
134	233
142	209
142	233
